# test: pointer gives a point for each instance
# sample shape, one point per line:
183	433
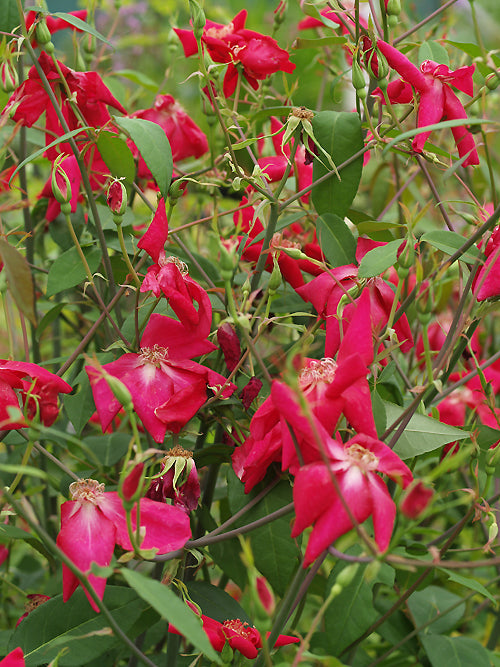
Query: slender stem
423	22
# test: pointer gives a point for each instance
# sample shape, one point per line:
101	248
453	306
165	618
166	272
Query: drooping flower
437	100
185	137
38	388
95	520
88	93
416	499
258	55
355	466
238	634
166	386
178	480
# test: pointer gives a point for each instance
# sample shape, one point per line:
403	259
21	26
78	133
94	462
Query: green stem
126	258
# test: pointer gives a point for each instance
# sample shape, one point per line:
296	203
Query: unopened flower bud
176	190
120	392
8	77
424	303
492	81
226	262
60	183
406	259
229	344
42	32
393	7
130	489
275	280
358	79
198	18
116	198
347	574
250	392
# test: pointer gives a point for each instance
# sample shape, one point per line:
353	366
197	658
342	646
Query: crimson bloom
88	93
38	388
14	659
95	520
321	503
258	55
238	634
437	100
185	137
166	386
486	284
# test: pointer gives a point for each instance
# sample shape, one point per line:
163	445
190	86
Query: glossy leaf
173	609
117	156
449	242
153	145
56	624
379	259
276	554
216	603
438	605
81	25
456	651
422	434
336	240
68	271
339	133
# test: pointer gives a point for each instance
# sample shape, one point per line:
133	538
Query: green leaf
75	625
109	449
9	16
352	611
80	406
434	602
153	145
117	156
422	434
379	259
82	25
216	603
19	279
336	240
433	51
41	151
339	133
137	77
173	609
449	242
473	584
68	271
456	651
303	43
276	555
48	318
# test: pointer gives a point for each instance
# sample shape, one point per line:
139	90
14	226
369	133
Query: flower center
362	458
240	627
178	451
318	371
302	113
35	600
86	490
182	266
154	355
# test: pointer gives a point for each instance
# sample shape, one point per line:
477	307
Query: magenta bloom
239	635
486	283
167	387
37	386
95	520
232	44
355	466
185	137
178	480
88	91
14	659
437	101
